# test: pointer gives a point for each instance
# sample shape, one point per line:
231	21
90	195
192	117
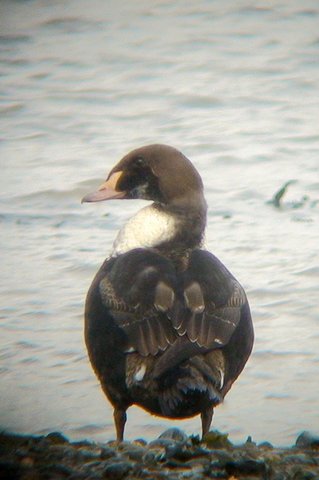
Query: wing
213	300
137	289
214	305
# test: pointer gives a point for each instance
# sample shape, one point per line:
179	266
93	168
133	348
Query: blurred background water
235	86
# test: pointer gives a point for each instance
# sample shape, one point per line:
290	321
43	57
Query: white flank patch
138	377
148	228
130	350
221	378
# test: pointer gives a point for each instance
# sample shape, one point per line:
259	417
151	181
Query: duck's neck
168	229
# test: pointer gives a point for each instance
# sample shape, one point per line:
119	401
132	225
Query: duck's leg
119	415
206	417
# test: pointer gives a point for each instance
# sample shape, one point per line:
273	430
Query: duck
167	326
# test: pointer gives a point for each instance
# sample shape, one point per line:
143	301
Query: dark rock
216	474
245	467
9	441
97	466
178	452
298	458
82	443
174	434
107	452
199	461
184	451
307	440
57	453
134	452
54	471
117	471
266	445
173	463
160	443
22	452
195	439
215	439
302	474
278	476
140	441
221	457
10	469
250	440
88	454
82	476
57	438
152	457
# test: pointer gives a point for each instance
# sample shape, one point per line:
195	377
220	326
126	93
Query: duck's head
154	172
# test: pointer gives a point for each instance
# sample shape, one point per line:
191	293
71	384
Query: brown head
154	172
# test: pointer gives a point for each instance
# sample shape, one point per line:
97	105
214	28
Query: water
233	85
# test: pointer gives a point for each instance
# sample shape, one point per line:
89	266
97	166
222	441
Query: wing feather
210	326
137	289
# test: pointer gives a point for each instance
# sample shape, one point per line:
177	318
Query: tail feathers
191	388
181	350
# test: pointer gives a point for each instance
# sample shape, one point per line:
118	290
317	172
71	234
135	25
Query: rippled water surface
234	85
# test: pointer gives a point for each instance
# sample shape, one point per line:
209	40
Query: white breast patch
148	228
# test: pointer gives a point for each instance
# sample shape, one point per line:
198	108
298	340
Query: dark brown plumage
167	326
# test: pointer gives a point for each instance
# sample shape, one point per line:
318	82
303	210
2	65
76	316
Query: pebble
140	441
266	445
117	471
134	452
216	439
246	467
299	458
161	443
57	438
307	440
107	452
174	434
222	456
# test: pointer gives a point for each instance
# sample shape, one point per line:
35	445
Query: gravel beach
173	455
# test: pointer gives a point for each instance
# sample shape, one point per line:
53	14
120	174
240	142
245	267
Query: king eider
167	326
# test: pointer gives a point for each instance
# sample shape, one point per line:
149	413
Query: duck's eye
140	162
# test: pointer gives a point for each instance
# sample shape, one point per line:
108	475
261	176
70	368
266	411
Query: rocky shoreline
171	456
